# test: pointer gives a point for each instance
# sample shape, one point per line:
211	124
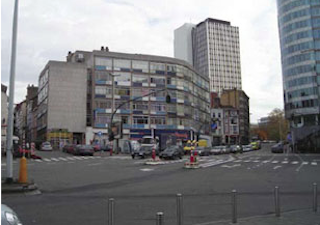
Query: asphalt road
76	189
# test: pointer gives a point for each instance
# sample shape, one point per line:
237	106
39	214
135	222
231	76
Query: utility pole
9	178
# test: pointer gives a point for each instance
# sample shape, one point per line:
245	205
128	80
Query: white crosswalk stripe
239	160
47	160
314	163
285	162
38	160
63	159
294	162
305	163
54	159
274	162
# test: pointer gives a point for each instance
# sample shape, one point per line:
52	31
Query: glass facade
299	29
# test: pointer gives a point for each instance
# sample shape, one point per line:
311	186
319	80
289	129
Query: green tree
277	127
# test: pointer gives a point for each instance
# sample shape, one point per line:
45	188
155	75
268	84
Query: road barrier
315	197
111	211
160	218
277	201
234	206
179	209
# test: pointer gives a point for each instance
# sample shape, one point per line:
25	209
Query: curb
18	188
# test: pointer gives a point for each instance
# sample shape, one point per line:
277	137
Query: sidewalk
16	187
297	217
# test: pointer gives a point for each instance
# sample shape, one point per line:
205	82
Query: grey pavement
298	217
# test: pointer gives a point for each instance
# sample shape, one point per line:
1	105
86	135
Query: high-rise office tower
299	29
215	52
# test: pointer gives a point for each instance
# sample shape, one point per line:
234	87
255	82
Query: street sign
213	126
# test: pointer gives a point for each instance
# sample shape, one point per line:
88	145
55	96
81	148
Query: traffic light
168	99
111	136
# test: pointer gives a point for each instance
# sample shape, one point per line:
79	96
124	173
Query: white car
8	216
46	146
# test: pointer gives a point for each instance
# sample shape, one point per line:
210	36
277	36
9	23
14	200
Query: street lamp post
9	177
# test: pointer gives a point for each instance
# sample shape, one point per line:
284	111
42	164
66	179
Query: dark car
236	149
145	151
69	148
203	151
172	152
83	150
277	148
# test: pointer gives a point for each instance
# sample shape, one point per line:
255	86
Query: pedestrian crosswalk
260	162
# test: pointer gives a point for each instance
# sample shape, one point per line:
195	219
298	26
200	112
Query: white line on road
305	163
314	163
94	164
71	158
146	170
47	160
294	162
63	159
38	160
239	160
274	162
266	161
247	161
256	161
276	167
227	166
285	162
54	159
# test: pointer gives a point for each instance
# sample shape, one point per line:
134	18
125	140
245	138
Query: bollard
153	154
179	209
234	206
23	173
160	218
277	201
315	197
111	211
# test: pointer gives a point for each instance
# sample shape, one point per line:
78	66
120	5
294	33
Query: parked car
69	148
145	151
216	150
278	148
172	152
236	149
8	216
247	148
203	151
225	149
83	150
256	145
46	146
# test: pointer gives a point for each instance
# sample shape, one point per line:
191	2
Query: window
157	93
122	65
138	92
140	66
102	118
158	120
125	119
122	91
158	68
171	69
157	80
122	77
101	90
140	120
140	78
104	62
104	104
171	80
103	75
158	106
140	106
125	106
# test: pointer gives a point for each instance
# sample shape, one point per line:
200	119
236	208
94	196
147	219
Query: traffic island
191	165
154	162
16	187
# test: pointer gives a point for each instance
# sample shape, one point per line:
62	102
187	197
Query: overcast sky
47	30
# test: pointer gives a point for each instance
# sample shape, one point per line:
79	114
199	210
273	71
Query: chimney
107	49
102	48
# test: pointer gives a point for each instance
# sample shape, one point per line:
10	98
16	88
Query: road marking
276	167
70	158
78	157
266	161
294	162
247	161
227	166
305	163
38	160
274	162
256	161
54	159
94	164
47	160
314	163
239	160
63	159
285	162
146	170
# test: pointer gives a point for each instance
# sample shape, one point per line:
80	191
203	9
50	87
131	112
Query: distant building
32	106
300	47
263	121
62	103
20	114
215	52
4	116
240	101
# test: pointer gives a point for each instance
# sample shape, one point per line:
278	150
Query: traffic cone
23	175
